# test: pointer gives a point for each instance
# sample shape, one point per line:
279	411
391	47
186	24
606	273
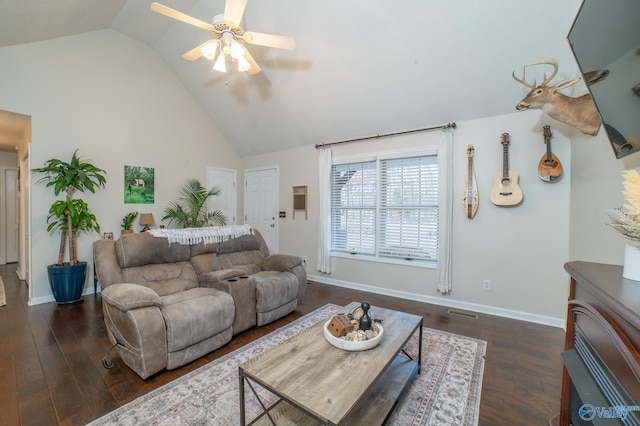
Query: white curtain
445	202
324	228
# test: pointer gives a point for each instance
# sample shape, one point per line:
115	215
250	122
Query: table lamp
146	219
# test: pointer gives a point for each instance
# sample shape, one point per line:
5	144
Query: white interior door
11	215
227	200
261	204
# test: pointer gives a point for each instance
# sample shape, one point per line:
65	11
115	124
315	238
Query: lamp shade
146	219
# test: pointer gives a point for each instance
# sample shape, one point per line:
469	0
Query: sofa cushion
240	244
206	262
194	315
248	261
264	318
164	279
202	248
281	262
144	249
274	289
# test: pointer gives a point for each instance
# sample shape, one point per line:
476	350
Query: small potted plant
70	216
127	222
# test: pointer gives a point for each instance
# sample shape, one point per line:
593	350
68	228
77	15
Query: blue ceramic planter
67	282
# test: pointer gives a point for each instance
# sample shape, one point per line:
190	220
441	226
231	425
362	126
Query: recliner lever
104	359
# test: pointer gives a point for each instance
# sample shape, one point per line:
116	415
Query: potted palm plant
127	222
70	216
190	209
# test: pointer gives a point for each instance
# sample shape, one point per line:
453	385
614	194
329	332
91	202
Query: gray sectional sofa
166	305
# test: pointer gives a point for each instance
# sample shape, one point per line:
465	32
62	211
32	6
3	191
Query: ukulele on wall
549	167
505	191
470	194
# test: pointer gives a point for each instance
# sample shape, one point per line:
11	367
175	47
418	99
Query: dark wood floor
50	369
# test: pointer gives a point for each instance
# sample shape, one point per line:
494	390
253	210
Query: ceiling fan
229	37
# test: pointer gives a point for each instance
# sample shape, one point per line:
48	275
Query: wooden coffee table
317	383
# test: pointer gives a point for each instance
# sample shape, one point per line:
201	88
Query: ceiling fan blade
233	11
196	52
255	68
270	40
172	13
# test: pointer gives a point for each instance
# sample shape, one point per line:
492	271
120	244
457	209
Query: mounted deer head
578	112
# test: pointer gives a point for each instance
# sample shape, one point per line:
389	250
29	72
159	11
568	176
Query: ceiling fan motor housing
222	27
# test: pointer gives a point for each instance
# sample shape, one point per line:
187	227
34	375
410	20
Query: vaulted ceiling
360	67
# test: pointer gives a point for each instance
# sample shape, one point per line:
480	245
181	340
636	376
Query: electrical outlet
486	285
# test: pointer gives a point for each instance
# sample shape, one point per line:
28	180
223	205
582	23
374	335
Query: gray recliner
166	305
154	309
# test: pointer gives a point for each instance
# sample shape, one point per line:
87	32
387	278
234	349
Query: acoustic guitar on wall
505	191
470	194
549	167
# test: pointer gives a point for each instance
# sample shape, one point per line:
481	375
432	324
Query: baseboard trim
450	303
40	300
50	298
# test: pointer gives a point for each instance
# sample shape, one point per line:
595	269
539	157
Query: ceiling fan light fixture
209	51
236	50
221	63
229	37
243	64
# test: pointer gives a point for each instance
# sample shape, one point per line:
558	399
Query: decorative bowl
349	345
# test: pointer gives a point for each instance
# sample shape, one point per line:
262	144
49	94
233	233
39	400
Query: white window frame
378	157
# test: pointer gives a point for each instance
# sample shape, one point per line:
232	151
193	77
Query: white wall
521	249
596	186
115	100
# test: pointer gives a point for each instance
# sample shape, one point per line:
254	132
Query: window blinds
386	208
409	208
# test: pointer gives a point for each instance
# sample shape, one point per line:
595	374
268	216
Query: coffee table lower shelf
375	407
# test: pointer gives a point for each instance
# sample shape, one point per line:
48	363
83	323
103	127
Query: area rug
3	300
447	392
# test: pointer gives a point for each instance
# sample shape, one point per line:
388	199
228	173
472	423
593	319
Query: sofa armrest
126	296
134	320
281	262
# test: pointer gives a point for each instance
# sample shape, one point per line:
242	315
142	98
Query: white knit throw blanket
208	235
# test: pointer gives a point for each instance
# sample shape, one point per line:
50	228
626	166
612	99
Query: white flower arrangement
626	220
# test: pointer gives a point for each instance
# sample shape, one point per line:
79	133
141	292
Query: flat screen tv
605	36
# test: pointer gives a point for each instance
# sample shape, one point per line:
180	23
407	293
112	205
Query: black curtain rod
446	126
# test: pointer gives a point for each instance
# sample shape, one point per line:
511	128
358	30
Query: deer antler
523	80
551	62
546	80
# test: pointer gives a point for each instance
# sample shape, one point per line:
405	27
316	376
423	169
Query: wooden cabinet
601	377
